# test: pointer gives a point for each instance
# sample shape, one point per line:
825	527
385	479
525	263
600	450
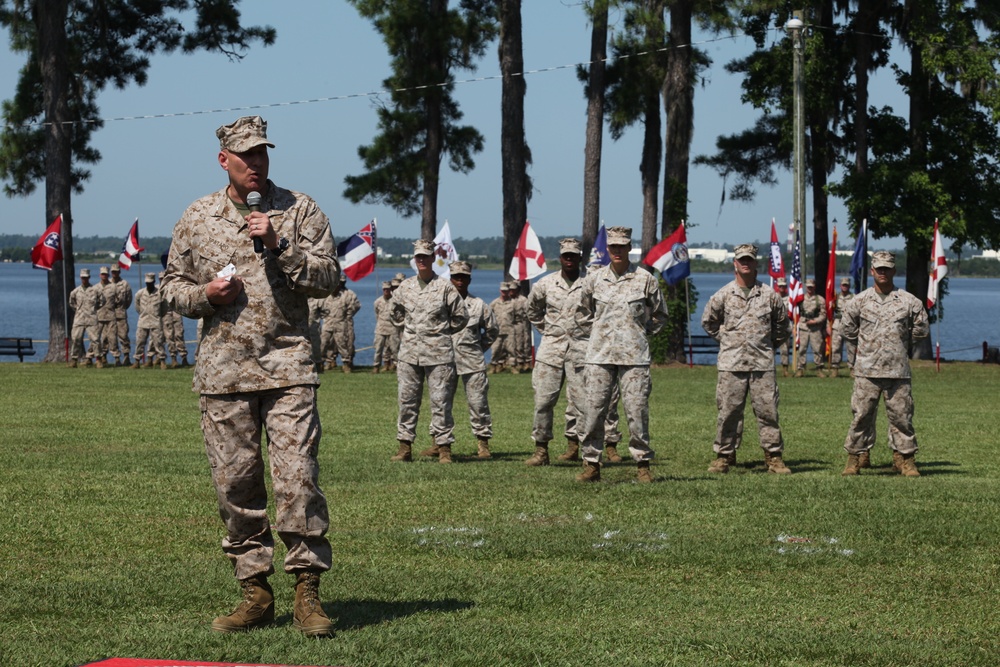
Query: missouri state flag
130	249
670	257
48	250
356	253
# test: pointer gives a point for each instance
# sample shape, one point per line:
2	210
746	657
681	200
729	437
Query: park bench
21	347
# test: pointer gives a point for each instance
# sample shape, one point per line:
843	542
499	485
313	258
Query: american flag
795	292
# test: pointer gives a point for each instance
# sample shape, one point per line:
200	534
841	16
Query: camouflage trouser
173	337
816	339
898	409
547	382
441	383
106	336
383	350
785	353
233	425
394	340
635	388
731	399
155	336
338	340
501	352
837	341
477	389
523	344
316	340
76	350
124	343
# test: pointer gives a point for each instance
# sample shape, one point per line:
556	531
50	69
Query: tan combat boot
799	373
720	464
591	472
541	455
731	458
71	363
612	453
645	475
444	453
775	464
483	449
864	460
348	366
853	466
135	364
163	364
784	370
308	615
377	369
256	609
405	452
430	451
98	363
835	371
908	466
572	452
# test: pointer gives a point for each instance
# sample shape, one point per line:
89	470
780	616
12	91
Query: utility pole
795	28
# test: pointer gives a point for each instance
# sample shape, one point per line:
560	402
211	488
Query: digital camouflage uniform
173	336
85	302
470	363
812	335
315	330
784	349
502	350
338	327
123	301
837	339
255	372
384	330
151	308
619	312
106	318
428	314
884	328
521	329
748	327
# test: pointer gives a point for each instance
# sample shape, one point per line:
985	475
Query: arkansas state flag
48	250
528	259
356	254
130	249
670	257
775	267
939	267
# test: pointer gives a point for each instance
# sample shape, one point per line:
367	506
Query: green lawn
111	539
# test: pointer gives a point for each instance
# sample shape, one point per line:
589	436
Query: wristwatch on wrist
282	247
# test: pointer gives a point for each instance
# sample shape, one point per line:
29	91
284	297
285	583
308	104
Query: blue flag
858	260
599	253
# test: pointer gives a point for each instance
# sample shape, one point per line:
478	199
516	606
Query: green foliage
111	538
108	43
671	343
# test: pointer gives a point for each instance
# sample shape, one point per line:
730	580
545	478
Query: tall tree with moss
420	123
74	49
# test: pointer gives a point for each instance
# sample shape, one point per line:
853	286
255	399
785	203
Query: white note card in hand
227	272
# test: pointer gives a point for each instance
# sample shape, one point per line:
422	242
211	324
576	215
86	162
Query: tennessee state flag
528	259
130	249
356	254
48	250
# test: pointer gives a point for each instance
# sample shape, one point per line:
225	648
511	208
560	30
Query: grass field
111	539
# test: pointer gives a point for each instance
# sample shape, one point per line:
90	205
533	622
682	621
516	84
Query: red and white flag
357	253
48	250
528	259
775	267
130	249
939	267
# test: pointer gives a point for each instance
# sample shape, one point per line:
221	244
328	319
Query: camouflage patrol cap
243	134
460	268
845	281
84	273
883	258
104	271
115	268
620	236
400	277
506	286
160	275
570	246
150	277
395	282
746	250
423	247
782	282
386	284
343	278
810	283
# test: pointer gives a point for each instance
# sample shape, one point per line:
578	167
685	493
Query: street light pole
795	27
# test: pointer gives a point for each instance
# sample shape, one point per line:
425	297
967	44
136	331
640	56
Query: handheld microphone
253	201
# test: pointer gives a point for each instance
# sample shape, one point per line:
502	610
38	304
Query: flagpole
687	306
62	251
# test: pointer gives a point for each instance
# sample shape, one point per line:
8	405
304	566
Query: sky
313	87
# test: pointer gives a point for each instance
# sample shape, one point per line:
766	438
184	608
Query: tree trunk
53	59
867	24
652	157
595	126
918	250
437	67
678	102
513	148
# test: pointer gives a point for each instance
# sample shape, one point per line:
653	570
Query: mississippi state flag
130	249
528	259
48	250
356	254
670	257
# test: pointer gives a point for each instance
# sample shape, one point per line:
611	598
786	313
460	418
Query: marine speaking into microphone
253	201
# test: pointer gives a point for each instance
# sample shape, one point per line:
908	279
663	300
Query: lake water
971	308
